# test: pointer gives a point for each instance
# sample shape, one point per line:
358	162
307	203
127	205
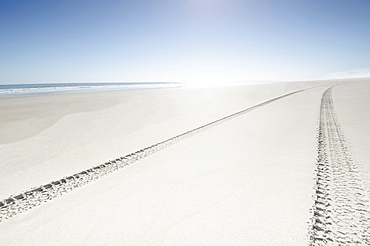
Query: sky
199	41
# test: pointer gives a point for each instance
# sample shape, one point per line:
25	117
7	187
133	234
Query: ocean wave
43	89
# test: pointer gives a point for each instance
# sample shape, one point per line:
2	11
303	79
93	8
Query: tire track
22	202
341	209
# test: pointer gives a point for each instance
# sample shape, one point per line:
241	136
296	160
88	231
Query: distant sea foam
19	90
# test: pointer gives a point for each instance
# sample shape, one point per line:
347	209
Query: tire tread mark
17	204
341	209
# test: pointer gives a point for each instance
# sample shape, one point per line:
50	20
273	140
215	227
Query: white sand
248	181
352	104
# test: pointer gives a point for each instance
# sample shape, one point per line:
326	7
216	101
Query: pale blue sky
182	40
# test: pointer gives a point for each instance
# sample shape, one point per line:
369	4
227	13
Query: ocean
19	90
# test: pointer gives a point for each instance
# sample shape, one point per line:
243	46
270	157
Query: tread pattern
22	202
341	209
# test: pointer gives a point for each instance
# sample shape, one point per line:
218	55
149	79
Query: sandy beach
272	164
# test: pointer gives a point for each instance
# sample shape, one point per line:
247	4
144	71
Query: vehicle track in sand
35	196
341	214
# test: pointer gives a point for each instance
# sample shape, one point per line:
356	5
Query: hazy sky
182	40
